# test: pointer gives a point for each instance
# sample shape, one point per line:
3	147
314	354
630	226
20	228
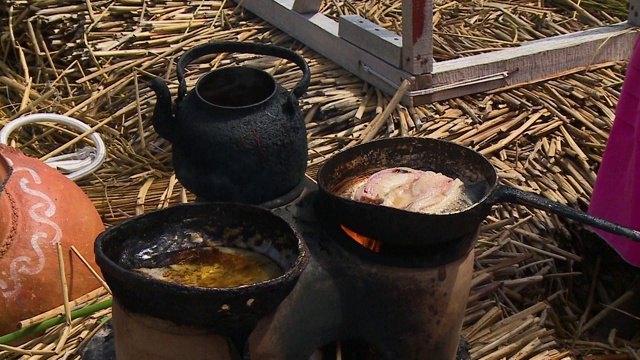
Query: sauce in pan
216	267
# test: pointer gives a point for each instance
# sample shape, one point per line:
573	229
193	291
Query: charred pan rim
116	269
402	227
189	305
400	143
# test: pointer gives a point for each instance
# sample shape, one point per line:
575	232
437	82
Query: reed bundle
540	284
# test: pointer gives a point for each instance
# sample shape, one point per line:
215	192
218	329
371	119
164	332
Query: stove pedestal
143	337
421	320
399	304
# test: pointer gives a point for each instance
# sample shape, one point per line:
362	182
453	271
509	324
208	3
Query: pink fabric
616	194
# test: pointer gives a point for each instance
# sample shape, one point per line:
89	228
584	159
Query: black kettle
238	136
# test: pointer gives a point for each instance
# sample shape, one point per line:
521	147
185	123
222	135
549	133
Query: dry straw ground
541	284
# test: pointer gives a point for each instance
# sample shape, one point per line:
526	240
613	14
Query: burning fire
369	243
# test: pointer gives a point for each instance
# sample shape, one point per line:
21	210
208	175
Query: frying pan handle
517	196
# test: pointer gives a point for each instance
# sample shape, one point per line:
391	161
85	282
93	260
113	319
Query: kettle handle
243	47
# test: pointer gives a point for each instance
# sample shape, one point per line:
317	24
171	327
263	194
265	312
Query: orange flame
369	243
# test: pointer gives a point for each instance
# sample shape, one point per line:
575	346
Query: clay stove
404	303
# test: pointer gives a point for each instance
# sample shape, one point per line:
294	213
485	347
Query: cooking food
216	267
413	190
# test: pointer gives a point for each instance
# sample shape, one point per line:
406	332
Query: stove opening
367	242
347	350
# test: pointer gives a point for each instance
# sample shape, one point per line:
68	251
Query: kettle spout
162	120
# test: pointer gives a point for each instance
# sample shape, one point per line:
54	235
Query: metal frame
384	59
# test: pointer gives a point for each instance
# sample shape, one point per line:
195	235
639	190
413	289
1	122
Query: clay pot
40	207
